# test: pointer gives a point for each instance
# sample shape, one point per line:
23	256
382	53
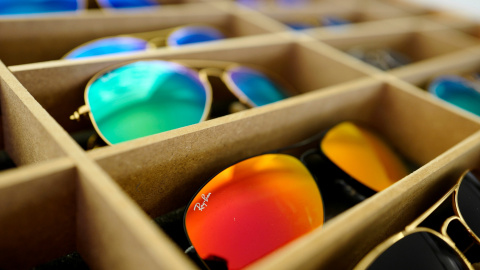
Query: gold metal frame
413	228
155	39
204	69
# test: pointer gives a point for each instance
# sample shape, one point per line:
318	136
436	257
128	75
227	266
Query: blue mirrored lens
17	7
193	34
456	91
334	21
144	98
299	25
108	46
256	86
289	3
126	3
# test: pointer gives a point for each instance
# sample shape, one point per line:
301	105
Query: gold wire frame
413	228
154	39
204	69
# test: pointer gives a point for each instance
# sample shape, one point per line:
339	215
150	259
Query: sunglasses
171	37
457	90
261	203
420	247
141	98
17	7
312	23
381	58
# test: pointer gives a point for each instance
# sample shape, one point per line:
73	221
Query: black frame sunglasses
455	244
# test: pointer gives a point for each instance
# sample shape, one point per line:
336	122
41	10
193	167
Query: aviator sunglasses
460	91
263	202
324	21
454	246
171	37
381	58
18	7
141	98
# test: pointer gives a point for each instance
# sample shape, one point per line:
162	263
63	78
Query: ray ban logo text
201	206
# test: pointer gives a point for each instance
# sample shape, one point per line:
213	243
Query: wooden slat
30	134
37	213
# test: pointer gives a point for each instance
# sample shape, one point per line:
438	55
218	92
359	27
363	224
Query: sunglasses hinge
82	111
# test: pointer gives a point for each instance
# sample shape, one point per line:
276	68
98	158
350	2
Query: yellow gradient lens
252	208
363	155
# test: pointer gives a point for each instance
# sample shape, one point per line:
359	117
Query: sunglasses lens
334	21
193	34
252	208
126	3
145	98
299	25
108	46
16	7
457	91
420	250
468	199
363	155
255	87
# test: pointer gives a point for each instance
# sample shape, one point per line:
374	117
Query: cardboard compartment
66	213
462	63
315	14
378	218
30	135
165	181
56	36
290	60
65	202
420	40
37	213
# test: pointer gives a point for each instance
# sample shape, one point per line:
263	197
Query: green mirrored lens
145	98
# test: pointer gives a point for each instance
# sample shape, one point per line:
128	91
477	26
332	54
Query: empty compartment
57	36
162	175
303	68
414	39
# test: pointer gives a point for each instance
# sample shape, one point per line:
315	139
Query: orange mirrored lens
363	155
253	208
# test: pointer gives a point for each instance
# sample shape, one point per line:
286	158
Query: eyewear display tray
120	206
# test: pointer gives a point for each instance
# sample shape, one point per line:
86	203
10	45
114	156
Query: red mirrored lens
253	208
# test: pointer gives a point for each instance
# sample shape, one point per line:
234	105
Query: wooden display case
61	198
